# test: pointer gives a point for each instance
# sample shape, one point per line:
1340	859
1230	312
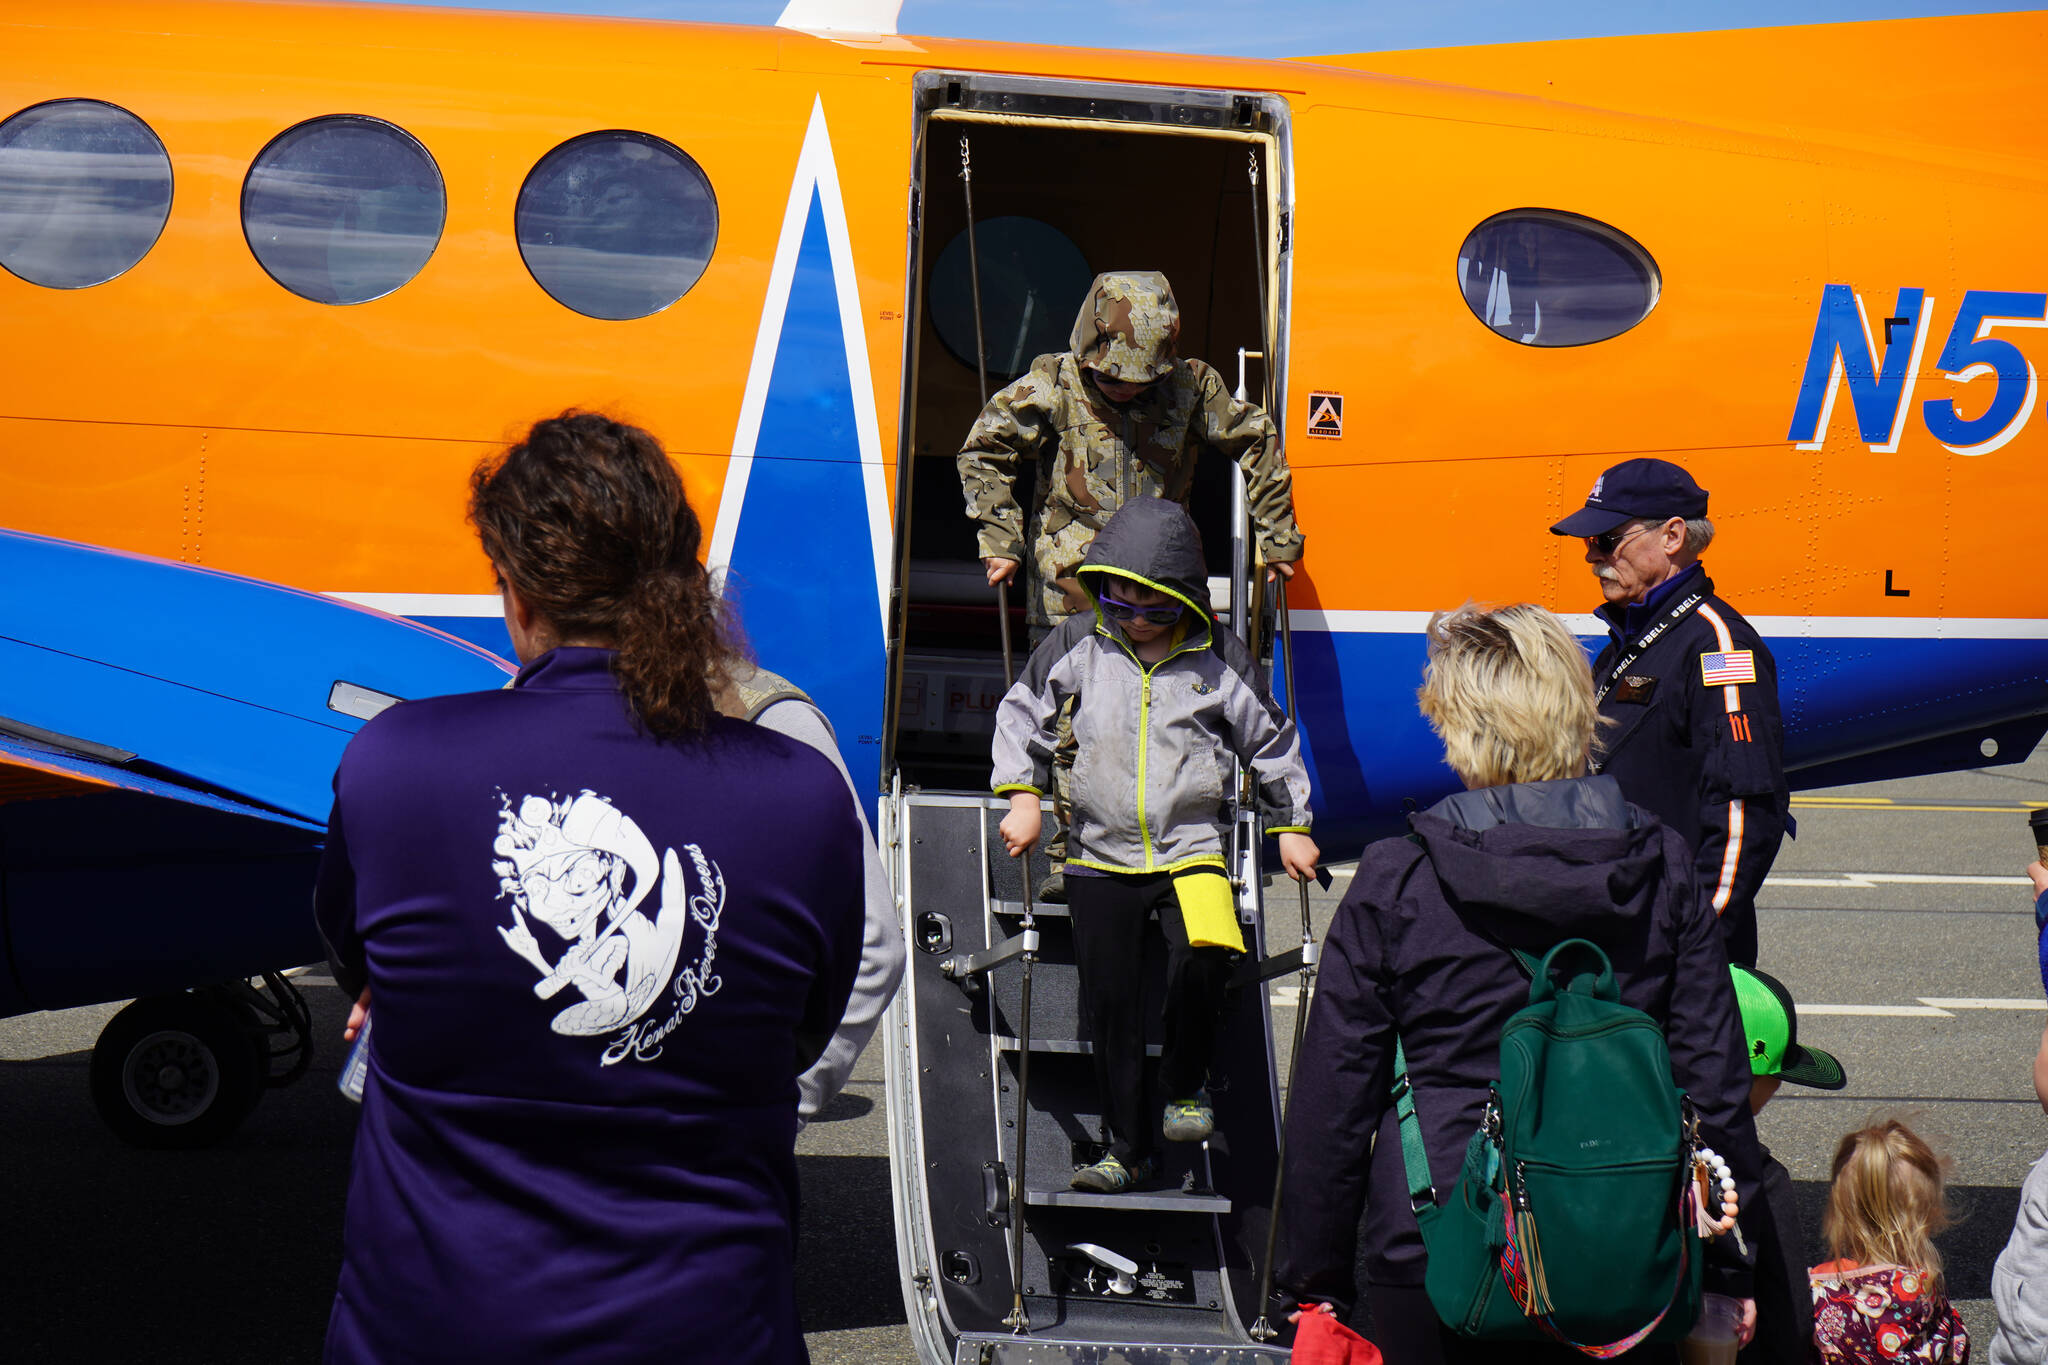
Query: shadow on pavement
112	1253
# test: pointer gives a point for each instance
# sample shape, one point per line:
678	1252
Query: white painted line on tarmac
1866	881
1879	1011
1980	1003
1930	1007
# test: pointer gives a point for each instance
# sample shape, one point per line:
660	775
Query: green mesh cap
1770	1026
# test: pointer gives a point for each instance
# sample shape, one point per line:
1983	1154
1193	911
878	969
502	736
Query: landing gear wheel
177	1071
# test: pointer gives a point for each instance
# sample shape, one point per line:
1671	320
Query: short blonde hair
1510	694
1886	1205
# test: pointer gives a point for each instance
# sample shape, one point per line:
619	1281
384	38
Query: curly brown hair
588	520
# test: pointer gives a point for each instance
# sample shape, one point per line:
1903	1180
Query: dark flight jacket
1706	758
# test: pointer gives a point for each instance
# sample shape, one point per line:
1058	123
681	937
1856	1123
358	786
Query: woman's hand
1323	1308
356	1014
1298	855
1745	1330
1021	826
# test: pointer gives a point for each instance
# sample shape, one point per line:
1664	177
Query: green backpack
1573	1215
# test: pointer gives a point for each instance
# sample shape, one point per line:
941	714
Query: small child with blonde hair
1881	1299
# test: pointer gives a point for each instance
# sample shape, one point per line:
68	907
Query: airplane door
1198	187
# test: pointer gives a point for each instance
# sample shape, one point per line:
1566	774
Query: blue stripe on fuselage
802	568
1369	749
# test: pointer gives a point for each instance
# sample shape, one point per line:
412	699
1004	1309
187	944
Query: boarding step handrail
1280	964
961	966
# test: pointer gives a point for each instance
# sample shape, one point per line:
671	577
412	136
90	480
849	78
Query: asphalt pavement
1899	918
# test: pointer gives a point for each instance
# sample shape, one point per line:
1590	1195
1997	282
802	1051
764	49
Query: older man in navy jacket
1688	689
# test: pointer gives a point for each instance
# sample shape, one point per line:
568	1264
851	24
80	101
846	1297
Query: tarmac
1900	918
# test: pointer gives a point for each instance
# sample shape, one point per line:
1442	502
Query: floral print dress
1865	1315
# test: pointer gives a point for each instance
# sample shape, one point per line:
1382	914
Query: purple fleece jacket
598	963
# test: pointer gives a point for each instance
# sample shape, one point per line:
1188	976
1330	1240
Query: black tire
176	1071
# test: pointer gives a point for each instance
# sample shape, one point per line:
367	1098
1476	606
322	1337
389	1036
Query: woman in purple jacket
1533	853
604	928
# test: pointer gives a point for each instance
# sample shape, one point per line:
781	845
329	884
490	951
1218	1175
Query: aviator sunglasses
1151	616
1607	542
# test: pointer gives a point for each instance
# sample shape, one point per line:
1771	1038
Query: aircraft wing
125	670
168	736
39	771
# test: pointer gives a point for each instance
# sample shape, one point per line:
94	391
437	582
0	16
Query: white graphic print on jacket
584	869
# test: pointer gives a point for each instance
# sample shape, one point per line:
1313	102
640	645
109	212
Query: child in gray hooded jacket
1165	705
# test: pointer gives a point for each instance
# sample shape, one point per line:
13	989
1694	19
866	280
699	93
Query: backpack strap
751	689
1421	1188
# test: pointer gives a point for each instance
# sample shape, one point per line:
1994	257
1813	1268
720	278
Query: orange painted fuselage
193	409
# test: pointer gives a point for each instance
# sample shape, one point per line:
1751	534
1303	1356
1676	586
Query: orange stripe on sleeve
1731	694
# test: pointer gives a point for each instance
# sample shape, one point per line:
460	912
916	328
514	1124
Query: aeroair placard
1326	414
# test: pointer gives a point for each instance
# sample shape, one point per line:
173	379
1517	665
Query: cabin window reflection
85	190
1032	279
1543	278
343	209
617	225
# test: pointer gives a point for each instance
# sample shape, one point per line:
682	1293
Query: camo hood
1128	328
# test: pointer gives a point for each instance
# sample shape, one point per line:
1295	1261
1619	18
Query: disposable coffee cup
1714	1339
2038	822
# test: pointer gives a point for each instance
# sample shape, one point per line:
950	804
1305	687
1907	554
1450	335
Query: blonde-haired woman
1534	852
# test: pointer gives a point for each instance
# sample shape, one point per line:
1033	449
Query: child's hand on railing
1020	827
1298	855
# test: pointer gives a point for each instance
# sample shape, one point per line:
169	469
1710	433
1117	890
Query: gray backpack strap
754	689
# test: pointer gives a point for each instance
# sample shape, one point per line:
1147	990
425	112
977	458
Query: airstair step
1168	1201
1079	1047
1046	909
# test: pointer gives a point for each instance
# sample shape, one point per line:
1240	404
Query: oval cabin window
85	190
617	225
343	209
1543	278
1033	279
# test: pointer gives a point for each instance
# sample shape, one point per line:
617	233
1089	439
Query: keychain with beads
1713	1185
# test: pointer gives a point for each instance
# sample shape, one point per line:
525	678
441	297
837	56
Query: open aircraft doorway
1068	180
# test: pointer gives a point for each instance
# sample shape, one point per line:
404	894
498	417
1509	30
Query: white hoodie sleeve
882	950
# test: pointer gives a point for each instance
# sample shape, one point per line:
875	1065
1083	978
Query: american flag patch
1721	670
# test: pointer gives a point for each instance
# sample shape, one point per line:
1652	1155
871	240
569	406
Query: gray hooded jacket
1156	745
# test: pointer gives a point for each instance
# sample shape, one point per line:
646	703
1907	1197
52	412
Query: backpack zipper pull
1532	1293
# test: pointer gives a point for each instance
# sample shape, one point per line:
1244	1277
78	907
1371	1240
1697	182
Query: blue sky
1281	28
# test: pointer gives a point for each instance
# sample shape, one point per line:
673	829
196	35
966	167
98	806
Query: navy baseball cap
1633	490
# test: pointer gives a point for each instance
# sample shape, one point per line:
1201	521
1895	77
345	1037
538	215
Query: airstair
1002	1262
1165	1273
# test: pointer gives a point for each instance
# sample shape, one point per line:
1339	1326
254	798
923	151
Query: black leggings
1110	914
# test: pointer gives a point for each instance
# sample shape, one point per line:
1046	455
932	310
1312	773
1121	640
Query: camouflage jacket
1095	455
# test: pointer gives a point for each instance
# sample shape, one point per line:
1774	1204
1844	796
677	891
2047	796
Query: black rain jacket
1419	947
